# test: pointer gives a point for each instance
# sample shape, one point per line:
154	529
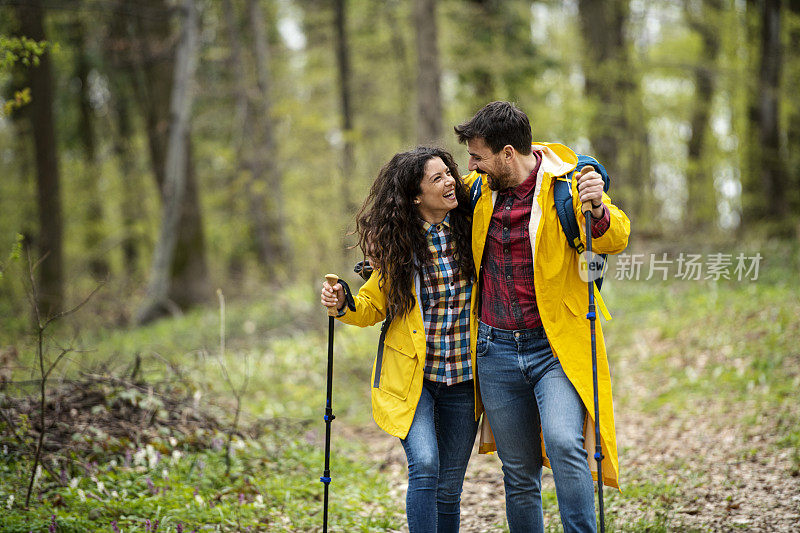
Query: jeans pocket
481	346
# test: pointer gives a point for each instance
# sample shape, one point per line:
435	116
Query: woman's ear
417	201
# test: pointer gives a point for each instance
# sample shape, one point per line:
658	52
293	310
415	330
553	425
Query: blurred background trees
295	105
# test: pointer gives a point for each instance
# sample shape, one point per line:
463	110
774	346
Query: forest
177	176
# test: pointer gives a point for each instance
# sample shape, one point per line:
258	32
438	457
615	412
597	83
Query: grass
279	349
274	487
724	350
733	342
677	349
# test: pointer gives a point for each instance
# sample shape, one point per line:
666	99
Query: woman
415	228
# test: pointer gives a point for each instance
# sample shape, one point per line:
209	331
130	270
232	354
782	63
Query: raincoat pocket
398	364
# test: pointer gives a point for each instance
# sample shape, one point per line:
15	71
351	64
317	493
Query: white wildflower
74	482
199	500
176	456
259	502
81	495
139	456
10	501
173	441
152	456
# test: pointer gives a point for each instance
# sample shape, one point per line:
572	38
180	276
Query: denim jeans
438	447
525	390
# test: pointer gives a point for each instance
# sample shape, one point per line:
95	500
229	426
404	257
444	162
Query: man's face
494	166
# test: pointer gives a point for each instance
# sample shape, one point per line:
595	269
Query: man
533	344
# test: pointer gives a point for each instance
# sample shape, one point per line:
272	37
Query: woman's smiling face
438	194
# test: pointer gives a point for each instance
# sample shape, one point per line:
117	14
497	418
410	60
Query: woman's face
438	194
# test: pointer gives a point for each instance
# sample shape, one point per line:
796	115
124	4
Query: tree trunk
753	199
345	96
701	206
176	170
264	183
479	50
429	102
129	206
119	55
613	87
93	208
403	73
40	113
772	170
266	186
153	60
793	122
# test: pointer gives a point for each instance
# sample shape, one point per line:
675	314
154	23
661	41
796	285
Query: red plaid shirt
508	296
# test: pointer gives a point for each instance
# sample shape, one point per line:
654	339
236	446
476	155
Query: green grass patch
273	486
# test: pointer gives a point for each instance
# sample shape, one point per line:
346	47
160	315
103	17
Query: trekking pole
586	207
332	279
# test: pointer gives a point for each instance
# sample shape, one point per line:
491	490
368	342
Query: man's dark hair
499	124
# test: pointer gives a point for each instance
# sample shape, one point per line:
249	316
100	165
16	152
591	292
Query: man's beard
499	181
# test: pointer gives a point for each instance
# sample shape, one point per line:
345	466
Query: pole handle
586	207
332	280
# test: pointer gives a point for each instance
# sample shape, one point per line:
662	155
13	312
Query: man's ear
508	151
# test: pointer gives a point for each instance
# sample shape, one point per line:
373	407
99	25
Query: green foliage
735	338
26	52
273	487
22	50
16	252
180	477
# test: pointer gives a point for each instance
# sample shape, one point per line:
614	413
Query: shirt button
508	207
415	331
452	283
505	228
505	250
507	277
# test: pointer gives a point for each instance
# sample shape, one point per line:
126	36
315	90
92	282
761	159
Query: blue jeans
524	390
438	447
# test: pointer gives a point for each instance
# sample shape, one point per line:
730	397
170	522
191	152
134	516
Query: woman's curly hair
389	225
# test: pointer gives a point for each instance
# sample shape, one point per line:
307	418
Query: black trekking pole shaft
598	447
326	474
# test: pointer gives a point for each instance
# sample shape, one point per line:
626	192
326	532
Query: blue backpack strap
562	193
584	160
475	192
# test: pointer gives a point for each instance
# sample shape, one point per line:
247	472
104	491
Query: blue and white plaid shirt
445	296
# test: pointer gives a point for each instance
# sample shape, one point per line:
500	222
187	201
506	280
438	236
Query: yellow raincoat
562	296
398	369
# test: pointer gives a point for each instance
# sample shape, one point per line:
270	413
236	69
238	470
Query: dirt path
714	478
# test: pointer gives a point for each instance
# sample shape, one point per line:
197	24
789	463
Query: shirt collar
432	228
526	187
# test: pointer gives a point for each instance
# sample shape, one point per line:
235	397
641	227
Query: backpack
562	195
